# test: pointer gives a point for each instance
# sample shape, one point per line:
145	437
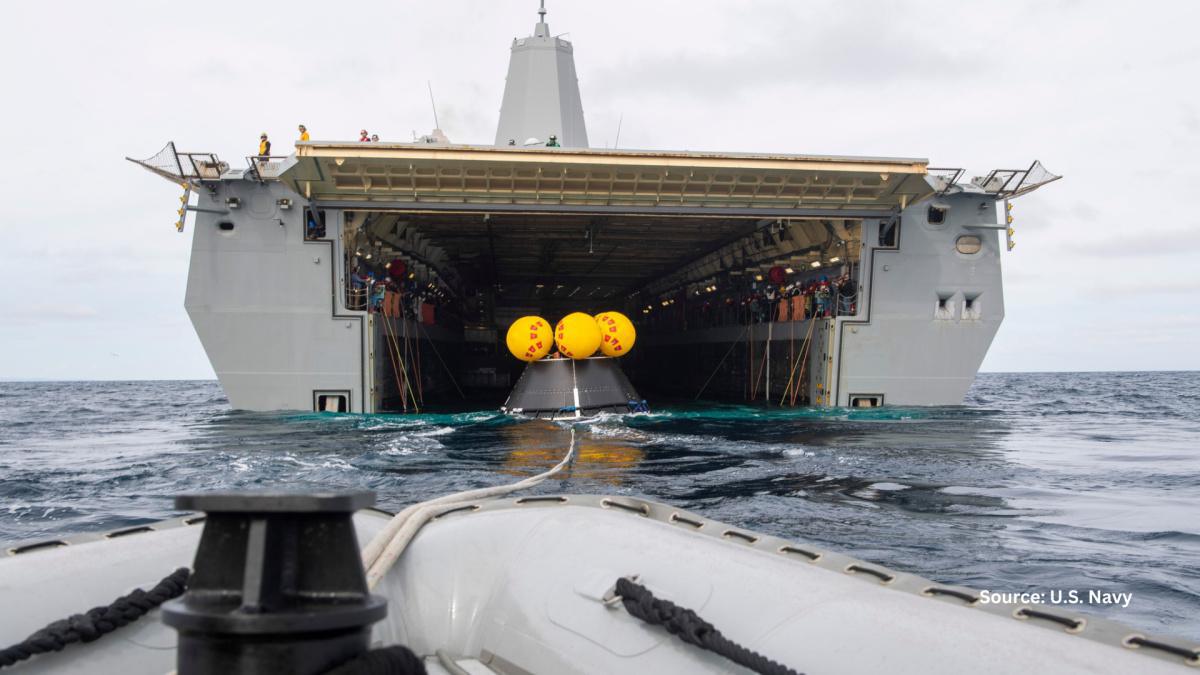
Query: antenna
436	124
619	123
542	12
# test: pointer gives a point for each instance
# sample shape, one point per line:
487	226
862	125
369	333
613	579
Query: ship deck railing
265	167
183	167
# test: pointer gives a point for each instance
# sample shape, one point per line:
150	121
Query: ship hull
273	304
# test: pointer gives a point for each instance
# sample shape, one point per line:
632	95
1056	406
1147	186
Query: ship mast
541	94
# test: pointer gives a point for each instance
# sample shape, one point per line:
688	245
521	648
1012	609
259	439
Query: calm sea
1039	482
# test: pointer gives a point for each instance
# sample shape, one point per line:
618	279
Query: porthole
968	244
937	215
225	226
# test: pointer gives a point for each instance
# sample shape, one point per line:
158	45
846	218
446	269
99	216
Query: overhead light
833	260
665	303
789	270
539	285
758	277
816	263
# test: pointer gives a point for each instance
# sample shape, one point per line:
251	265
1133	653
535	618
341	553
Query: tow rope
98	621
689	627
389	544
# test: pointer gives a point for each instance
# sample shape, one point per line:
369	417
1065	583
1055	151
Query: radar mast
541	93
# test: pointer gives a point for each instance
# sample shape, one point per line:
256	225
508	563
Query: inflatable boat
515	586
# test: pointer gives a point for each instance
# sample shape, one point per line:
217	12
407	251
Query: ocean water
1039	482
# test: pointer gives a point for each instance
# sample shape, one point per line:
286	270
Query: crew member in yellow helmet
529	338
577	335
617	333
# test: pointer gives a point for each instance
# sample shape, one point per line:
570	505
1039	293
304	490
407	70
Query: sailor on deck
303	133
264	147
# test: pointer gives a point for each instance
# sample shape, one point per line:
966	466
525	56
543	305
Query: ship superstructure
369	277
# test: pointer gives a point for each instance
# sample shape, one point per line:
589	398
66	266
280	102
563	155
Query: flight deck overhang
464	178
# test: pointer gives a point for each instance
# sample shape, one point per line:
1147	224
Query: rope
689	627
762	369
409	359
803	351
386	548
719	364
397	660
395	345
803	365
98	621
417	366
440	360
392	359
407	366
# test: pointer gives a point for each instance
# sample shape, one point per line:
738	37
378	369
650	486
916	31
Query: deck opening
314	224
944	310
972	308
866	400
331	402
889	234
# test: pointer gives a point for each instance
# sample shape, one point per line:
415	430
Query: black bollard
277	586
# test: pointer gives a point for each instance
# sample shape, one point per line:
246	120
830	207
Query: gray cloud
872	47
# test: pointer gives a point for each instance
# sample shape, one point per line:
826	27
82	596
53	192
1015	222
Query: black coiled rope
690	628
397	660
98	621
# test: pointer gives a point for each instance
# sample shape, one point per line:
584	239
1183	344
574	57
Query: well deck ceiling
475	177
555	255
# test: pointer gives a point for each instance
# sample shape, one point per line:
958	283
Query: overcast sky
1105	276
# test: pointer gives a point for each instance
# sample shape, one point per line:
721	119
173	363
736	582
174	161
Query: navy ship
378	277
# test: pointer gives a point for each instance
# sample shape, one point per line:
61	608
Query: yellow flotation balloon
529	338
617	333
577	335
